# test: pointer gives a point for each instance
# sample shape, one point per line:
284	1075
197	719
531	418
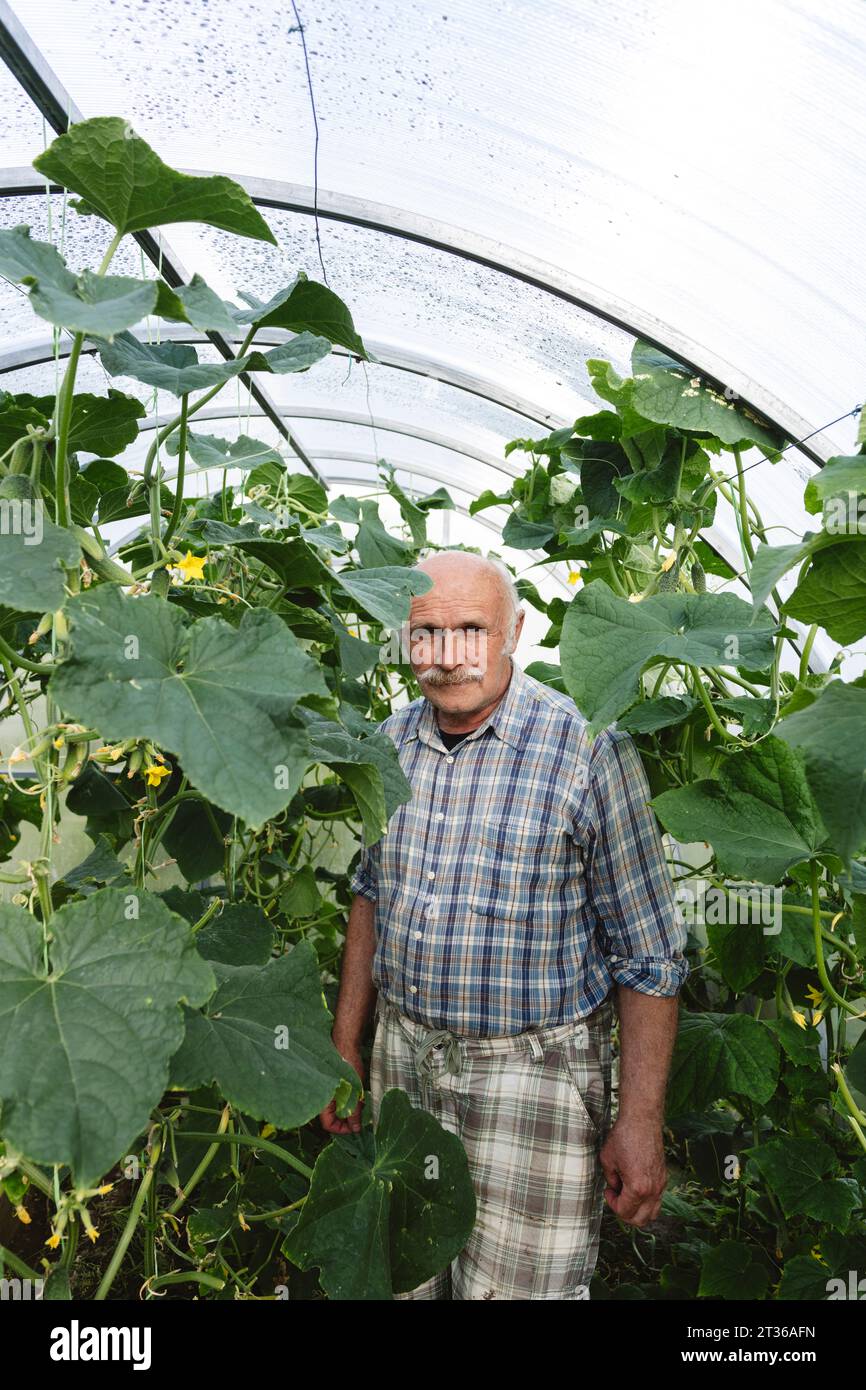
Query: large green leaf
758	813
607	641
209	451
99	424
219	697
730	1271
100	306
830	734
799	1172
119	177
34	556
335	746
386	1212
721	1055
265	1039
838	476
170	366
25	261
104	424
668	392
298	355
240	935
772	561
739	946
832	593
204	309
85	1041
16	413
385	593
194	839
175	366
306	307
365	783
651	715
375	545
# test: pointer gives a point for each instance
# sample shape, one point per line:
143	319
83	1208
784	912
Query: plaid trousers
532	1111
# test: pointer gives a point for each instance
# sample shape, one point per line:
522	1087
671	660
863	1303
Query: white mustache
435	675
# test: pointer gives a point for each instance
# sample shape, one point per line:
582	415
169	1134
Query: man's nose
451	648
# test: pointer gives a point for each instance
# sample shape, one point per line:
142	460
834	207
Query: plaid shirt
526	874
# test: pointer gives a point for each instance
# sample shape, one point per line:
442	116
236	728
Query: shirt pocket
524	867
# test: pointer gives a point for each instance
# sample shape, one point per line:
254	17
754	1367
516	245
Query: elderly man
519	893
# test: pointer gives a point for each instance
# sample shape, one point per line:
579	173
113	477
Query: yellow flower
23	1214
154	774
798	1018
53	1240
635	598
816	1018
106	1187
668	560
92	1234
815	996
574	576
266	1131
59	741
192	566
243	1224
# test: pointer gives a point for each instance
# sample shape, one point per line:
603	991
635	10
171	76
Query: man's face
457	638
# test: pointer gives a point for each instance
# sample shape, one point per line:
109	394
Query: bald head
462	571
462	632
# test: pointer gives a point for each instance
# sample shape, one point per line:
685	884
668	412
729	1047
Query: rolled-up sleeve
364	878
640	928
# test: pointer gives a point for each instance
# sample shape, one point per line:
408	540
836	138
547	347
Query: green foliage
216	710
379	1206
758	774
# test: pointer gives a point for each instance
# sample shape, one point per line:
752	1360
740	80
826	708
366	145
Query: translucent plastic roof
505	190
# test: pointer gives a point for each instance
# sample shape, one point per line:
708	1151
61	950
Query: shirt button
413	989
440	815
431	873
418	935
449	759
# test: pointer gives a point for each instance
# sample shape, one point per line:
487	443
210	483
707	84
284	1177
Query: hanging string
300	31
312	96
795	443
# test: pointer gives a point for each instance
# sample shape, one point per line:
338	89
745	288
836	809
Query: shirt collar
508	720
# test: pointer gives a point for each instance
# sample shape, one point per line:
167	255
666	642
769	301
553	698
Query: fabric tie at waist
439	1037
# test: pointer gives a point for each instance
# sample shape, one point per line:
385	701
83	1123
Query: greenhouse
432	632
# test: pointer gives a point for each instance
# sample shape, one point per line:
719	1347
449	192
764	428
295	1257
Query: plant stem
254	1142
62	421
132	1219
203	1166
39	668
807	652
16	1263
179	475
701	692
814	875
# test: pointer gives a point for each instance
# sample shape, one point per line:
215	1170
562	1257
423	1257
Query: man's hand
633	1159
351	1124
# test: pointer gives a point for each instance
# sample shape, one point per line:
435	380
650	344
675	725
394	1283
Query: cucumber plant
200	694
757	769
